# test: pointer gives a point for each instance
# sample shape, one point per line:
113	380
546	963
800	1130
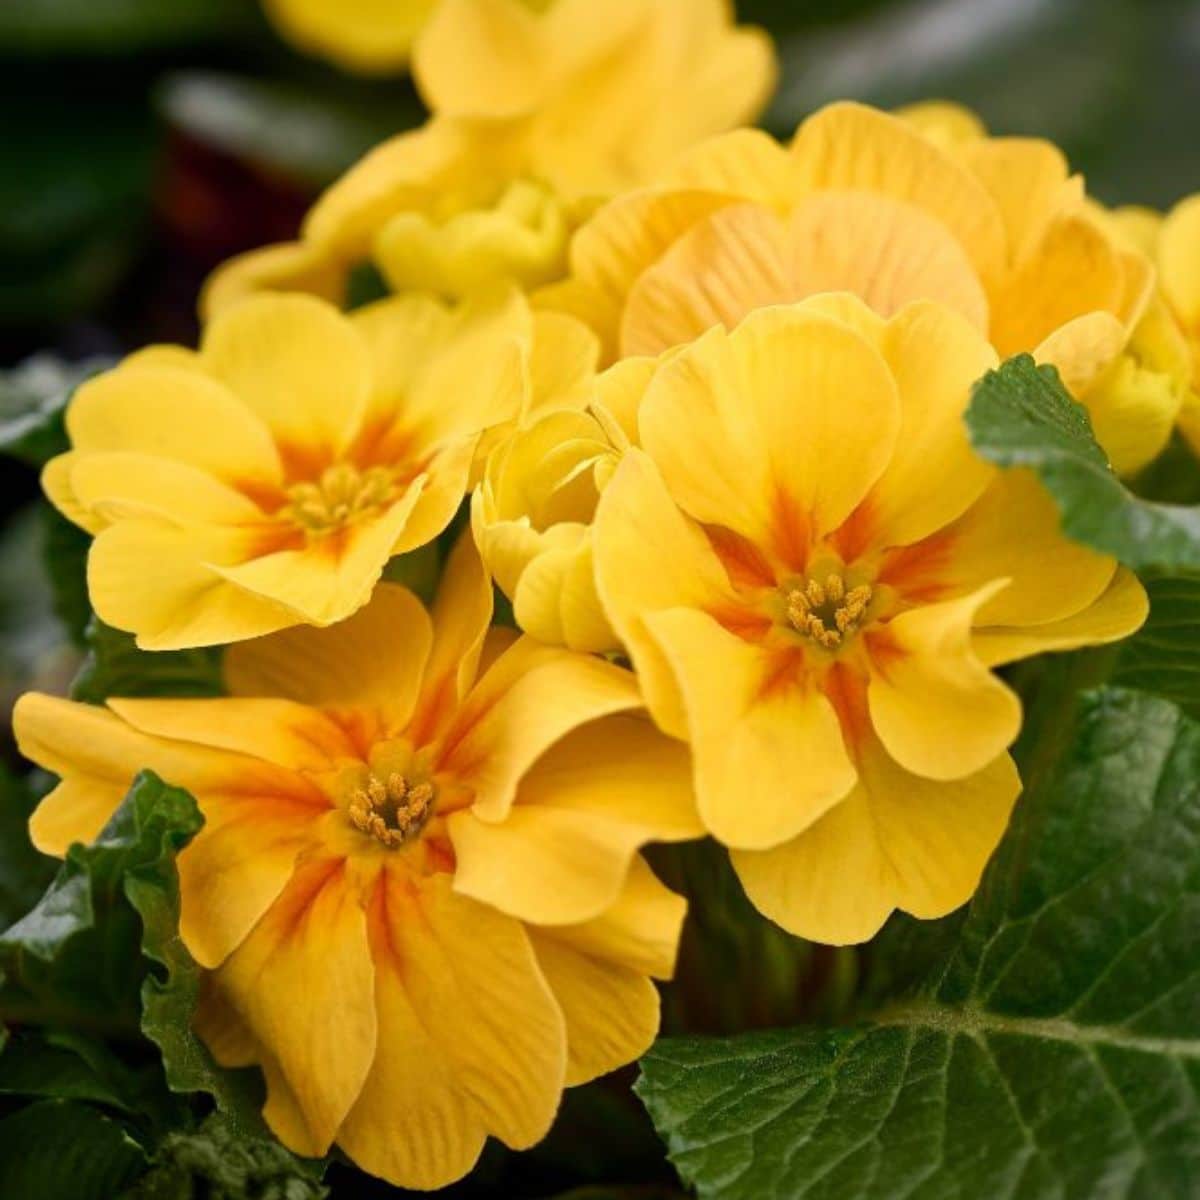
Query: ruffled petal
769	755
898	841
563	853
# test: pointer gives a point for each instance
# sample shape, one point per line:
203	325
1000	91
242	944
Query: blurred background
143	142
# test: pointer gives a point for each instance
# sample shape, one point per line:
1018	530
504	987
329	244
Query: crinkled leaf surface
1163	657
1045	1043
1021	416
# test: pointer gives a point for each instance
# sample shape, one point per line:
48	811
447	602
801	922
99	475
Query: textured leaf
1050	1047
217	1162
58	1150
116	667
1021	416
76	958
66	1066
1163	657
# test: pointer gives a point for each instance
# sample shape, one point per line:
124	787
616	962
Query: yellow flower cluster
703	399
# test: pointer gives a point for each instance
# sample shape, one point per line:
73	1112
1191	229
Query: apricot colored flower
813	573
861	201
265	480
417	897
539	111
1166	346
371	37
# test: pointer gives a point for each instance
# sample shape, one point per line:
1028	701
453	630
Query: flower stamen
341	496
826	612
392	812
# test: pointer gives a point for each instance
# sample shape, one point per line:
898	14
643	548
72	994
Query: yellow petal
482	60
1179	260
286	267
239	863
221	1029
376	657
556	601
1119	611
298	364
563	853
649	556
936	358
98	754
936	708
611	1012
1083	349
425	358
1013	531
620	241
769	755
745	163
851	147
471	1042
528	699
406	171
177	413
330	577
364	35
275	731
1026	177
462	612
945	123
563	362
56	483
1072	269
184	602
897	841
305	961
771	396
116	484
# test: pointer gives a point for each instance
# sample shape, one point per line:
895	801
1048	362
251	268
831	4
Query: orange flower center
393	811
826	612
342	495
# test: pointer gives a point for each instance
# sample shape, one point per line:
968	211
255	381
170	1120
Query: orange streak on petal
846	689
857	533
917	571
744	563
746	623
791	531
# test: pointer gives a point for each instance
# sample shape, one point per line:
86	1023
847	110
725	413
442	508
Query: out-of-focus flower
417	895
265	480
372	37
1166	345
539	112
994	228
1133	378
813	573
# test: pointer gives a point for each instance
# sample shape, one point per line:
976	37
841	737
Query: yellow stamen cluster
391	811
827	612
341	496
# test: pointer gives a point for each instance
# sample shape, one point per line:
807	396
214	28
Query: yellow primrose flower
417	896
861	201
539	111
532	511
1166	345
265	480
372	37
813	573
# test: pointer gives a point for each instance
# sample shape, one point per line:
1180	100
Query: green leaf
1047	1043
75	960
116	667
1163	657
231	1166
33	396
1020	415
58	1150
